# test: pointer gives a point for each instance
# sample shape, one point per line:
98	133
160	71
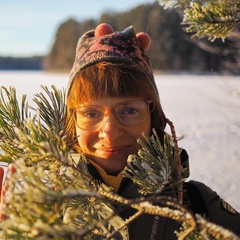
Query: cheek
87	140
83	138
144	127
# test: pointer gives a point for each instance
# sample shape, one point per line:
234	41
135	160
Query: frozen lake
205	109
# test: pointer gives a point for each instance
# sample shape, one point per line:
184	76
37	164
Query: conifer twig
52	196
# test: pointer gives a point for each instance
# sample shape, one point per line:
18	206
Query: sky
28	27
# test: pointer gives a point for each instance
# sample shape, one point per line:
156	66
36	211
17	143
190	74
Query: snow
205	109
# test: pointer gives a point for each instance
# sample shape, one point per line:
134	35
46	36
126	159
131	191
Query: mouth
115	151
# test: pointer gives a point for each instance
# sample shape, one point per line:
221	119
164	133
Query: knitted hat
103	44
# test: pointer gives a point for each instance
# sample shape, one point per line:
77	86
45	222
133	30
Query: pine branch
211	20
53	196
154	168
207	18
51	109
11	114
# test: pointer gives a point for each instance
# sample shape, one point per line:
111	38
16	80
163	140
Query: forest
21	63
172	49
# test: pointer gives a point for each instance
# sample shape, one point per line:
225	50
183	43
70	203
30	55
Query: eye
132	110
89	114
129	111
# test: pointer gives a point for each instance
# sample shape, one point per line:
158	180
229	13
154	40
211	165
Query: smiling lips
114	151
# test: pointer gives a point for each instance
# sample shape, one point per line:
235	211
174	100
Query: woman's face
114	138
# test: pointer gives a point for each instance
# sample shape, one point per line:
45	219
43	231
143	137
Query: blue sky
28	27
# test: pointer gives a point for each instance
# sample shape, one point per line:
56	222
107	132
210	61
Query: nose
111	128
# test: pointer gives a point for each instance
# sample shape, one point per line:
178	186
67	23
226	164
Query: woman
112	99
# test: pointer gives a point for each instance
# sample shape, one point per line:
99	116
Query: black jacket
197	197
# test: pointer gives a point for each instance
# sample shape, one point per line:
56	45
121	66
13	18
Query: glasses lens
129	113
88	117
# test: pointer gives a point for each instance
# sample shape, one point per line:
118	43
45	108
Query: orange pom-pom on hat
144	40
103	29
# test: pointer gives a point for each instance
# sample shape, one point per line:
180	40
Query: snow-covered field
204	109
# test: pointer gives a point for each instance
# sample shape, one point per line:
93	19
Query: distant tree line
171	49
21	63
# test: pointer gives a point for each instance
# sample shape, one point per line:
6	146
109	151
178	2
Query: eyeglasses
91	117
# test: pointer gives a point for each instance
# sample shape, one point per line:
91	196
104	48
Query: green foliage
11	118
18	126
211	19
51	195
11	113
154	168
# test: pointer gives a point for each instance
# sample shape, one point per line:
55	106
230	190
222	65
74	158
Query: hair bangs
111	80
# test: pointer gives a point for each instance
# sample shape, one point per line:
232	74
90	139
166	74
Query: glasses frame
73	114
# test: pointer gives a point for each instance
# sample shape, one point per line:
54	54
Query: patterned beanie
103	44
